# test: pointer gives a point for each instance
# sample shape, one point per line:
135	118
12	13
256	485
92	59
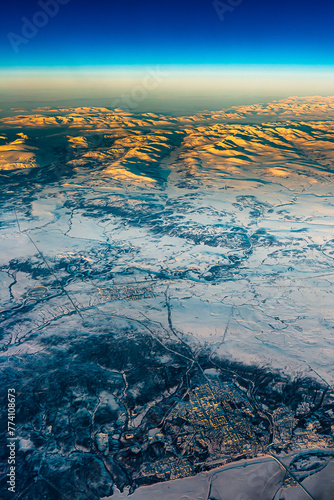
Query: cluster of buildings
166	469
284	423
212	424
215	423
126	292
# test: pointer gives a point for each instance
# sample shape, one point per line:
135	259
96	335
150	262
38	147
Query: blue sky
184	32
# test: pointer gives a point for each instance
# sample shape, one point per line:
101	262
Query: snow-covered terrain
207	232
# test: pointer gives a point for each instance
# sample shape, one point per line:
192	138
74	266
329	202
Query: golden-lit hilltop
271	140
